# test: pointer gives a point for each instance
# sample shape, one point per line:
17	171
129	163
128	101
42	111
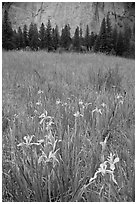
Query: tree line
108	40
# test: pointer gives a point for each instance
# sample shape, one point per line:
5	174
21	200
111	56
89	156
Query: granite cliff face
73	13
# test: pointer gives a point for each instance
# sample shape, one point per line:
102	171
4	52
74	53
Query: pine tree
81	37
42	33
103	36
87	38
92	40
36	37
62	38
25	36
15	39
55	37
65	40
49	36
7	33
114	38
33	37
126	39
20	38
96	46
76	40
120	44
30	35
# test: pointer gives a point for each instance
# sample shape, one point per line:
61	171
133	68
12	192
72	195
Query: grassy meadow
68	127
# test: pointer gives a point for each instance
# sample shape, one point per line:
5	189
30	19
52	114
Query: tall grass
68	127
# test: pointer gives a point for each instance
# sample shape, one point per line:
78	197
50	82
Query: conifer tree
103	36
127	38
30	35
7	33
55	37
42	36
120	44
65	37
49	36
87	38
33	37
96	46
15	39
25	36
62	38
76	40
114	38
36	37
92	40
20	38
81	37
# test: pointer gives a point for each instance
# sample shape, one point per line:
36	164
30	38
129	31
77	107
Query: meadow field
68	127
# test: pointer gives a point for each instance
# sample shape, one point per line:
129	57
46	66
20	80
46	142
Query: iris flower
44	116
103	168
77	114
28	141
97	110
112	161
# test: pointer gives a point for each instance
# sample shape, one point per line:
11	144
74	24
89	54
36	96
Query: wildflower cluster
47	145
28	141
39	102
103	169
47	121
49	154
120	99
107	166
78	114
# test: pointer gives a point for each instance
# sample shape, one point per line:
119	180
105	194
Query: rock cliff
73	13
